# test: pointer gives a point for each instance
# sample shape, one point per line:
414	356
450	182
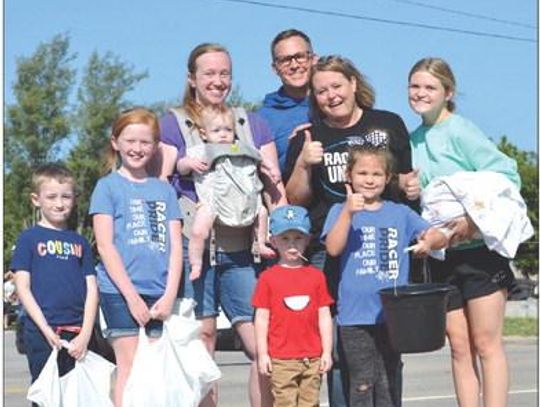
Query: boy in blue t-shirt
54	275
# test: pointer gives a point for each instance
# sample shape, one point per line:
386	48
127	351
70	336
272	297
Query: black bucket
415	316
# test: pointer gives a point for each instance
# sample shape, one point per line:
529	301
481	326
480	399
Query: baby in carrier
225	174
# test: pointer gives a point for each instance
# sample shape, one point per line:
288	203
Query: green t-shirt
457	144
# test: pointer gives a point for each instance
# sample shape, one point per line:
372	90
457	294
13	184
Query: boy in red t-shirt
293	326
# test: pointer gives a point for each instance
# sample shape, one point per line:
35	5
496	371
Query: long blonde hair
193	109
137	115
440	69
363	94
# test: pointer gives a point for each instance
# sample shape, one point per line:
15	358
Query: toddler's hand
355	201
326	362
194	164
265	365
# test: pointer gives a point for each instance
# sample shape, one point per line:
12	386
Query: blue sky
497	77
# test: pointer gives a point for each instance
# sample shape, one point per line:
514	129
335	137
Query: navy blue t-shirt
58	262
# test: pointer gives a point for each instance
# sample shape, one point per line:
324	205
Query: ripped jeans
372	366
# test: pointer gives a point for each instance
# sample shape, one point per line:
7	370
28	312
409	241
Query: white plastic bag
184	330
45	391
175	370
88	384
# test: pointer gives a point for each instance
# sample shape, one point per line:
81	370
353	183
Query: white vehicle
226	337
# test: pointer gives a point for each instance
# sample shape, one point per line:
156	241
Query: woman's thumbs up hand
312	151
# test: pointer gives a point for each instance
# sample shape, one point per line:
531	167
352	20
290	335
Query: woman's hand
462	228
410	184
312	151
299	128
270	171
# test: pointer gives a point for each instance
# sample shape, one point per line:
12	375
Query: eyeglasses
211	74
300	58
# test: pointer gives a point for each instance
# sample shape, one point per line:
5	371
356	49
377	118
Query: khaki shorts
296	382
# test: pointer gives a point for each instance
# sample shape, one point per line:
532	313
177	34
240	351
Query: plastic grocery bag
88	384
175	370
45	391
185	333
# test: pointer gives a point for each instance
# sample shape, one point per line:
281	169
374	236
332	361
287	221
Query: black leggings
374	369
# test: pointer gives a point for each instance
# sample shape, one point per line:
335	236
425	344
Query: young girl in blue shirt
370	235
137	227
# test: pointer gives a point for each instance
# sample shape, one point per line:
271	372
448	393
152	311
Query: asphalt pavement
427	377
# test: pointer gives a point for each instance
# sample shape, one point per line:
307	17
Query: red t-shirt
293	296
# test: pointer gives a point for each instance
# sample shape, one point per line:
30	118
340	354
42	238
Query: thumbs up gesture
410	184
312	151
355	200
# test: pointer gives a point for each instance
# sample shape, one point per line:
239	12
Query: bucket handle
426	271
426	274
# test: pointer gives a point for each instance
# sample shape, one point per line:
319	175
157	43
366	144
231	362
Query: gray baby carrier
236	186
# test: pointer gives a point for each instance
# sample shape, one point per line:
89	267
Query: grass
520	327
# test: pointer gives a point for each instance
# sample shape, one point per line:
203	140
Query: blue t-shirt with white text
141	213
373	258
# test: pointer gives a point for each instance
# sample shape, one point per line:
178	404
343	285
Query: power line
383	20
467	14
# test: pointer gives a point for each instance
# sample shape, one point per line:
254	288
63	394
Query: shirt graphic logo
59	249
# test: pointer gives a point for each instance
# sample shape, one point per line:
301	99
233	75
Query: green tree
34	128
527	255
236	99
42	118
101	96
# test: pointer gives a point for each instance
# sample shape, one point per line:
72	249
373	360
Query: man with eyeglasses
284	110
292	58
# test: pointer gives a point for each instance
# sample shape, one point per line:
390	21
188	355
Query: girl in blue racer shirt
137	228
370	235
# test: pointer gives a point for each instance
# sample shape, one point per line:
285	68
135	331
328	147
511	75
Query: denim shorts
119	321
230	284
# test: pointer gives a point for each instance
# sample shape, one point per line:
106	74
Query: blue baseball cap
289	217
